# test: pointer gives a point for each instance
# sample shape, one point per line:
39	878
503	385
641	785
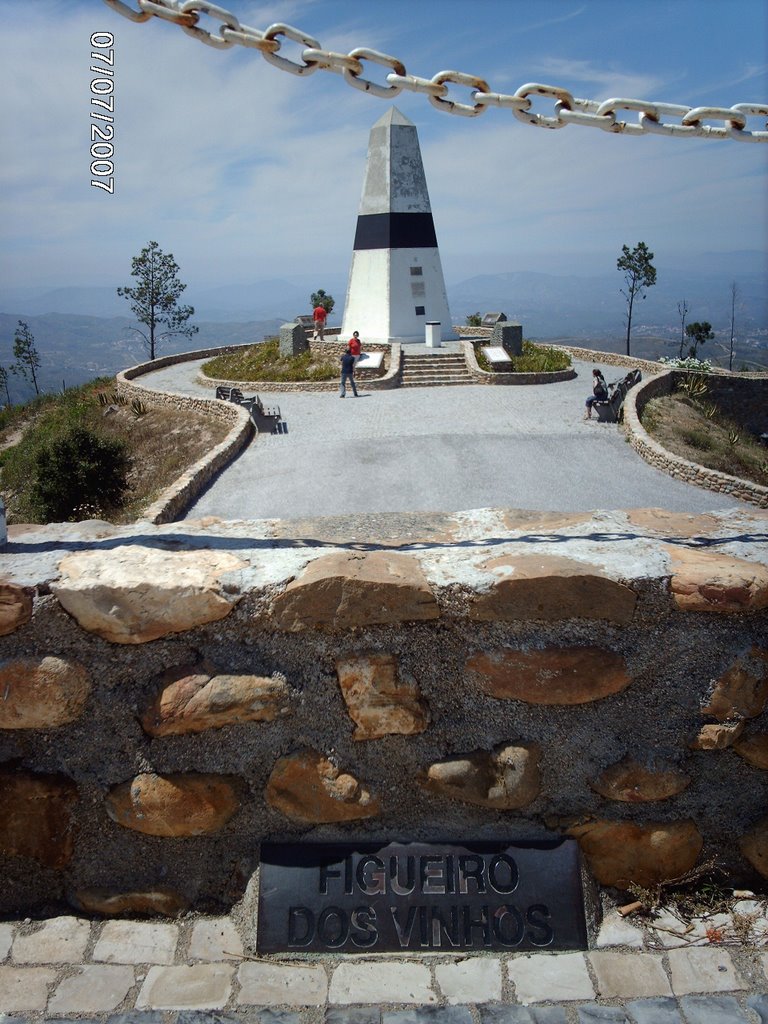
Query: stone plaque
373	897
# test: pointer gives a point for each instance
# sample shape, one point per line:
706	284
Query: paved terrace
436	449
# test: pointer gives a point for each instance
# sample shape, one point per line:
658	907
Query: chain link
567	109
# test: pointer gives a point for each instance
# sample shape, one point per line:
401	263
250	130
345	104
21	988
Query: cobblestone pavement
437	449
198	971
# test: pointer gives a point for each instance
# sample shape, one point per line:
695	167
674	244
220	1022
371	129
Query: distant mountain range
82	333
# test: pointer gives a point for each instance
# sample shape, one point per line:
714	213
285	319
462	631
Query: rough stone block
544	977
655	1011
717	736
506	778
629	975
550	587
759	1004
182	804
293	340
630	782
15	607
428	1015
703	581
555	675
95	988
137	942
161	901
594	1014
620	853
193	698
133	594
25	988
271	984
381	983
308	788
476	980
615	930
741	691
353	1015
6	938
356	589
42	693
200	987
35	816
713	1010
522	1015
378	701
754	750
702	970
754	846
215	938
59	940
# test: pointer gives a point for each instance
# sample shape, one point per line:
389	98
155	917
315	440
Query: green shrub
540	359
78	474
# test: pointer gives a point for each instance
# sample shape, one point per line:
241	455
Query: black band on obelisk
395	231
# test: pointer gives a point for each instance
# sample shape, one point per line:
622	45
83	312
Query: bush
78	475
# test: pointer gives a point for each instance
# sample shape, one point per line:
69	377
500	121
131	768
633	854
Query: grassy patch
695	429
534	359
161	444
264	362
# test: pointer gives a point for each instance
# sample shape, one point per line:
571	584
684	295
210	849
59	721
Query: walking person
347	374
319	315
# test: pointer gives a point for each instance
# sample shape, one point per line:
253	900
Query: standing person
355	346
319	315
599	392
347	373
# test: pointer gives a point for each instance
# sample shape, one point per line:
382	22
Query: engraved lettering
333	935
503	874
431	869
364	921
471	866
396	885
440	928
404	934
301	926
376	880
508	925
538	917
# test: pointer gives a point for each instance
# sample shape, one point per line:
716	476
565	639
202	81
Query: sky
245	172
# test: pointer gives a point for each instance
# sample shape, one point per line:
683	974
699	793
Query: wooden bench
269	413
609	410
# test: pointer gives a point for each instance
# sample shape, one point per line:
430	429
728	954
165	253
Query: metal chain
566	108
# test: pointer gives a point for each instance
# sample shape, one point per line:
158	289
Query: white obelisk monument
396	281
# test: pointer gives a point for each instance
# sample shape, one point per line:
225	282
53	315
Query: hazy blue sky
246	172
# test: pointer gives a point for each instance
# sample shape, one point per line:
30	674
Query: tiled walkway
200	971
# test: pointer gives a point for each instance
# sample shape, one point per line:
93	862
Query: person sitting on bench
599	392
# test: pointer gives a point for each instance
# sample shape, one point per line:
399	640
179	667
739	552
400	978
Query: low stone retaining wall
173	697
680	468
177	498
375	380
485	377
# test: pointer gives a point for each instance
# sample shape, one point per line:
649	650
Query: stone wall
173	695
501	377
756	392
383	379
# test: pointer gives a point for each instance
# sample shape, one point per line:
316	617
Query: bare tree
734	297
682	309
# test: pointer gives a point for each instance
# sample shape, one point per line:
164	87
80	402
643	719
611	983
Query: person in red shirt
355	347
319	315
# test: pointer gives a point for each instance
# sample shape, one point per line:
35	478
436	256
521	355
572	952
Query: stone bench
609	410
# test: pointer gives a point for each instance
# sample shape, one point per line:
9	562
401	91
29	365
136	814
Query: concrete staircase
428	371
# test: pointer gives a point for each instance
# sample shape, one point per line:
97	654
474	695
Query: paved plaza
436	449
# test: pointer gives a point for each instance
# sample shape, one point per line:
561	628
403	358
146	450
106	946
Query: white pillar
396	281
432	334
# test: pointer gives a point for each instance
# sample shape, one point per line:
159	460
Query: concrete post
293	340
509	336
432	334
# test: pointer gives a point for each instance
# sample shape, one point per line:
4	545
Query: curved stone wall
173	696
485	377
680	468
